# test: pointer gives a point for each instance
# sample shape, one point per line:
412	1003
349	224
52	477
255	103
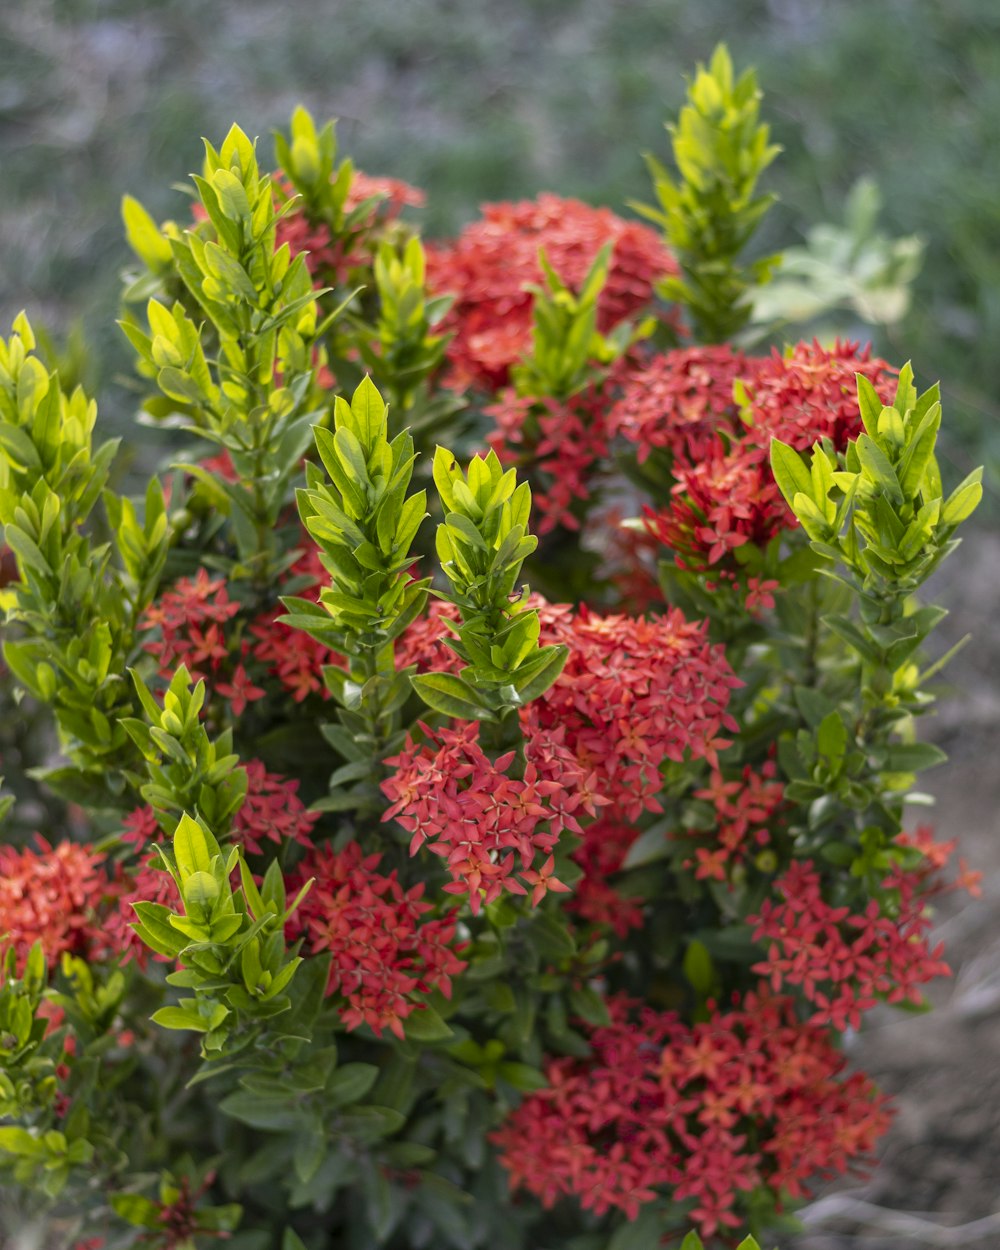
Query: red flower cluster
634	693
811	393
676	402
271	811
291	656
744	809
492	262
191	619
844	963
487	824
385	951
605	844
333	257
560	441
55	895
719	504
724	494
750	1097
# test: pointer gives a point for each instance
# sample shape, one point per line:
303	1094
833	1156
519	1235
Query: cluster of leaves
529	822
877	519
482	544
711	212
852	267
78	608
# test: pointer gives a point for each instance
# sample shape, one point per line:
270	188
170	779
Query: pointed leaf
790	471
448	693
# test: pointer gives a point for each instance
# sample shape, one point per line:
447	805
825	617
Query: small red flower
486	824
749	1098
844	963
240	691
760	594
724	495
491	264
387	951
56	895
543	880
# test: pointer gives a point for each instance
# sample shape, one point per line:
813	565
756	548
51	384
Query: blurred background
474	100
888	112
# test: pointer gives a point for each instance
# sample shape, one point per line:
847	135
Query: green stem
376	671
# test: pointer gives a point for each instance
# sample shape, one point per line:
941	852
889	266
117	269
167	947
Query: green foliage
76	604
26	1080
308	157
404	351
229	943
880	510
365	527
261	309
710	214
364	524
693	1242
482	543
879	523
853	268
566	344
45	1149
388	328
185	770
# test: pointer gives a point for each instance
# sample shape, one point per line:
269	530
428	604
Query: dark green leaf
350	1083
448	693
425	1025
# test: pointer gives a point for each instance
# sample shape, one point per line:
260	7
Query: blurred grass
476	101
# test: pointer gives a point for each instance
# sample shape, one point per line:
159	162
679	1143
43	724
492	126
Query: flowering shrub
398	904
749	1096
